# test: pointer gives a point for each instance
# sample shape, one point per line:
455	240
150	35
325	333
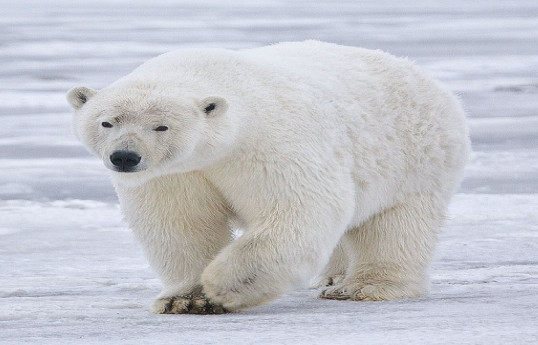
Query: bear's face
141	133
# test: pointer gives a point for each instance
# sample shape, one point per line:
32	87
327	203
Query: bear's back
312	63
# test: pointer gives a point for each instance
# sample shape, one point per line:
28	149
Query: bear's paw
378	291
187	305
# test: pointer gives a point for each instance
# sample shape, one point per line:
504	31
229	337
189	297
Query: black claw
190	306
168	306
218	309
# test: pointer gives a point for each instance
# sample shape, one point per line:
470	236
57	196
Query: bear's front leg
182	223
281	248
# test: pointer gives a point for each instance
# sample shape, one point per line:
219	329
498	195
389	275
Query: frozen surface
70	270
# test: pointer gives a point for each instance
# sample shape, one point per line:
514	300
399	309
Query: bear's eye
161	129
106	124
209	108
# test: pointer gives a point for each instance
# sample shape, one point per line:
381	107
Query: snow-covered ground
70	270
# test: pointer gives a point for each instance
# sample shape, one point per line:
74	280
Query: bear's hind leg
390	253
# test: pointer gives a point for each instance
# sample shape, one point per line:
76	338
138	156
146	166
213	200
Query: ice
71	271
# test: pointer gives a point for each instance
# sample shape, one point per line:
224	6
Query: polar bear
332	159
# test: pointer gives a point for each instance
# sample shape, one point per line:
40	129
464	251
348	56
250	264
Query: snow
72	273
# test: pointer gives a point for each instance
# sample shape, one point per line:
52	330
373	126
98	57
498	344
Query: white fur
310	145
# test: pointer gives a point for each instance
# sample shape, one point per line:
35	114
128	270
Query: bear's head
141	132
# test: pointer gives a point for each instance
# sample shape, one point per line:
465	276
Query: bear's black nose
125	160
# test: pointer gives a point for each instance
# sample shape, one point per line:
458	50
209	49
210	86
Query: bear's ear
77	96
213	106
